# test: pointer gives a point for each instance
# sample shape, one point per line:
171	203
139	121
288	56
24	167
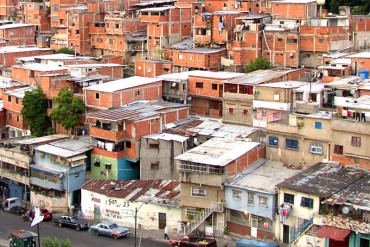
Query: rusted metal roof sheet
164	192
323	179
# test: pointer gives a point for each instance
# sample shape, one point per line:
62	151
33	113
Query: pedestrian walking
166	233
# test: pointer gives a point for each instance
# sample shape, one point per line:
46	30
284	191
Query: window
10	115
276	95
338	149
9	98
97	96
321	40
77	32
97	163
198	192
128	144
262	200
214	86
318	125
117	25
356	141
280	40
245	112
273	141
12	32
231	110
180	56
111	41
199	84
154	166
200	57
99	40
237	194
291	144
250	198
29	30
77	174
108	166
306	202
18	119
191	57
16	100
137	93
289	198
315	148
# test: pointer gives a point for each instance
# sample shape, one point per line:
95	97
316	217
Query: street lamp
137	210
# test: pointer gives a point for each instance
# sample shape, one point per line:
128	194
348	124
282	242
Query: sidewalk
158	235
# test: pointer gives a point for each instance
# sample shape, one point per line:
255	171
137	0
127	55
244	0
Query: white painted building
157	202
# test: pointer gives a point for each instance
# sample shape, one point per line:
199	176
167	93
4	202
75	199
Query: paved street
10	222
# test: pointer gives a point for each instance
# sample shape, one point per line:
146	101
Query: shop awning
333	233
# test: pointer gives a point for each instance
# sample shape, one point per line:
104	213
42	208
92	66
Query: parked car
30	215
193	241
72	221
18	210
110	229
9	203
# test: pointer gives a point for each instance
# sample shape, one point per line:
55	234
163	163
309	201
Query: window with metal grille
291	144
289	198
338	149
306	202
273	141
315	148
356	141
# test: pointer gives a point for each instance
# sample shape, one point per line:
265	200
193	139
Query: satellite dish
352	92
345	210
173	84
189	98
60	175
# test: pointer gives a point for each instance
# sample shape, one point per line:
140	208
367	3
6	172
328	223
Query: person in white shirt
166	232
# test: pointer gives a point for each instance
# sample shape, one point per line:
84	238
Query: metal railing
302	229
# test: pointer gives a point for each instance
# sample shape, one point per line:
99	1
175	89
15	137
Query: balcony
340	124
203	39
106	134
14	176
197	177
47	182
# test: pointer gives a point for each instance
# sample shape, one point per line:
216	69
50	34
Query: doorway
161	220
285	234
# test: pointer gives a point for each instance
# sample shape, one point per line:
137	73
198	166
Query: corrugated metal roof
218	151
164	192
265	176
135	111
65	148
167	137
323	179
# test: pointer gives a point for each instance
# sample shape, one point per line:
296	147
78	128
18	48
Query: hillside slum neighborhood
171	117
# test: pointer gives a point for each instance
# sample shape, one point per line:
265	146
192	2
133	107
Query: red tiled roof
333	233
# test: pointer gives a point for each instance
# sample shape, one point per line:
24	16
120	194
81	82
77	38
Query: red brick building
118	93
152	68
116	135
15	126
197	58
205	89
18	34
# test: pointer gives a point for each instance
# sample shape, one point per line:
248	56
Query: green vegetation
256	64
69	109
65	50
48	242
34	111
358	7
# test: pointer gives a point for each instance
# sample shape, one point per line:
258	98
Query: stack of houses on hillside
173	124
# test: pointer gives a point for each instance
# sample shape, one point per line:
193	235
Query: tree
256	64
34	111
65	50
68	109
358	7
